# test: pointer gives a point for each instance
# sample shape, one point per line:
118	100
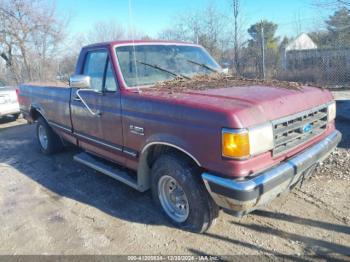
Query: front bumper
9	109
244	196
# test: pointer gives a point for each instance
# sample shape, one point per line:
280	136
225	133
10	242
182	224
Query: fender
39	109
144	171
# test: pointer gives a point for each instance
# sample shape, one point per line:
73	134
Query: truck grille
294	130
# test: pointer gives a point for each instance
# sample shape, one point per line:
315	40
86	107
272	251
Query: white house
302	42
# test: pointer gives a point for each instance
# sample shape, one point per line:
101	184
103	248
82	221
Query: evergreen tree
338	27
270	44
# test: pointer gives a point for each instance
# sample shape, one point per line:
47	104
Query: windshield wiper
203	65
163	69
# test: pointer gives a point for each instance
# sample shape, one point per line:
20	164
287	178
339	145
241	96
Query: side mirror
80	81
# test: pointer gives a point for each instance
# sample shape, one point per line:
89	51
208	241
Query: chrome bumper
244	196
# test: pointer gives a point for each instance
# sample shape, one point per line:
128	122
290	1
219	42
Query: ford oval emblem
307	128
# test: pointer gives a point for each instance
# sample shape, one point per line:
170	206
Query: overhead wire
132	34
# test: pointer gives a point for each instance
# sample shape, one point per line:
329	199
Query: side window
110	84
94	67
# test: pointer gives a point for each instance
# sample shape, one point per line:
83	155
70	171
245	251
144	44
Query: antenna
131	33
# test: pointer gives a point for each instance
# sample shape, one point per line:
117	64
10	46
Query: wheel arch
35	112
151	152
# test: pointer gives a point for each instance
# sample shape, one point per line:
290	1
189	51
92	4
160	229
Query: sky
152	16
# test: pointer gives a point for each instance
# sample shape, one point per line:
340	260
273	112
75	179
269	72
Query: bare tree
342	2
332	3
30	33
207	27
104	31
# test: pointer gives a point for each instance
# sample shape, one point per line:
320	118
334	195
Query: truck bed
48	84
52	99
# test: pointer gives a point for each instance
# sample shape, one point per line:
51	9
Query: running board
107	168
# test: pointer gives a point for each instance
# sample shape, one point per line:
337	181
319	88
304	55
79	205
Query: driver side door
98	130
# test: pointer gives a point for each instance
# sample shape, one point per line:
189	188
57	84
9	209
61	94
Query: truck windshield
143	65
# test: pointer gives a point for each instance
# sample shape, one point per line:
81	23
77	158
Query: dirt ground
53	205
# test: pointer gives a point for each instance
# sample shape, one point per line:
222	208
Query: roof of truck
138	42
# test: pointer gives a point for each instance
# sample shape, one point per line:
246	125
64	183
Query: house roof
302	42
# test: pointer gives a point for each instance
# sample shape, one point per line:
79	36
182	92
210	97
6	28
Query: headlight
242	143
332	111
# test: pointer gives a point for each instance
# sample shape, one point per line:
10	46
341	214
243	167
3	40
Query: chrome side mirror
80	81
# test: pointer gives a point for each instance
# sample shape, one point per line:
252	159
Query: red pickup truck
199	151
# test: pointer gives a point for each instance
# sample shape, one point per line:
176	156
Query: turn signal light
235	144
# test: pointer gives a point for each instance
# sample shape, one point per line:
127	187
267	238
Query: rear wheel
178	190
49	142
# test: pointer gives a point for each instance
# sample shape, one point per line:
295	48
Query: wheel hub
173	199
42	137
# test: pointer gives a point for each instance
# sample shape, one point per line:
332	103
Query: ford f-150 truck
234	148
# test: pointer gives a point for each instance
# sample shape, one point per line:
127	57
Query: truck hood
251	105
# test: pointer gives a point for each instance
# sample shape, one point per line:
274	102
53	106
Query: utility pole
235	14
263	49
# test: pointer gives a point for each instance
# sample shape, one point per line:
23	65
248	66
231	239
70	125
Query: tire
16	116
49	142
201	211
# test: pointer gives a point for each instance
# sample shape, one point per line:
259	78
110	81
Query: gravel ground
338	164
53	205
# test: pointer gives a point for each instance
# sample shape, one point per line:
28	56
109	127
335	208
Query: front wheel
179	192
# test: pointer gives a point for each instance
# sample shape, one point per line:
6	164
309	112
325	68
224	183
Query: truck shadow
95	189
320	246
62	177
257	258
342	122
303	221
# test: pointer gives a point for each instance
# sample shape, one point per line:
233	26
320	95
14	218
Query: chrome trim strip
130	153
60	127
171	145
99	142
119	149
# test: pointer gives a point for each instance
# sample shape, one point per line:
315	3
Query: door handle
78	96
